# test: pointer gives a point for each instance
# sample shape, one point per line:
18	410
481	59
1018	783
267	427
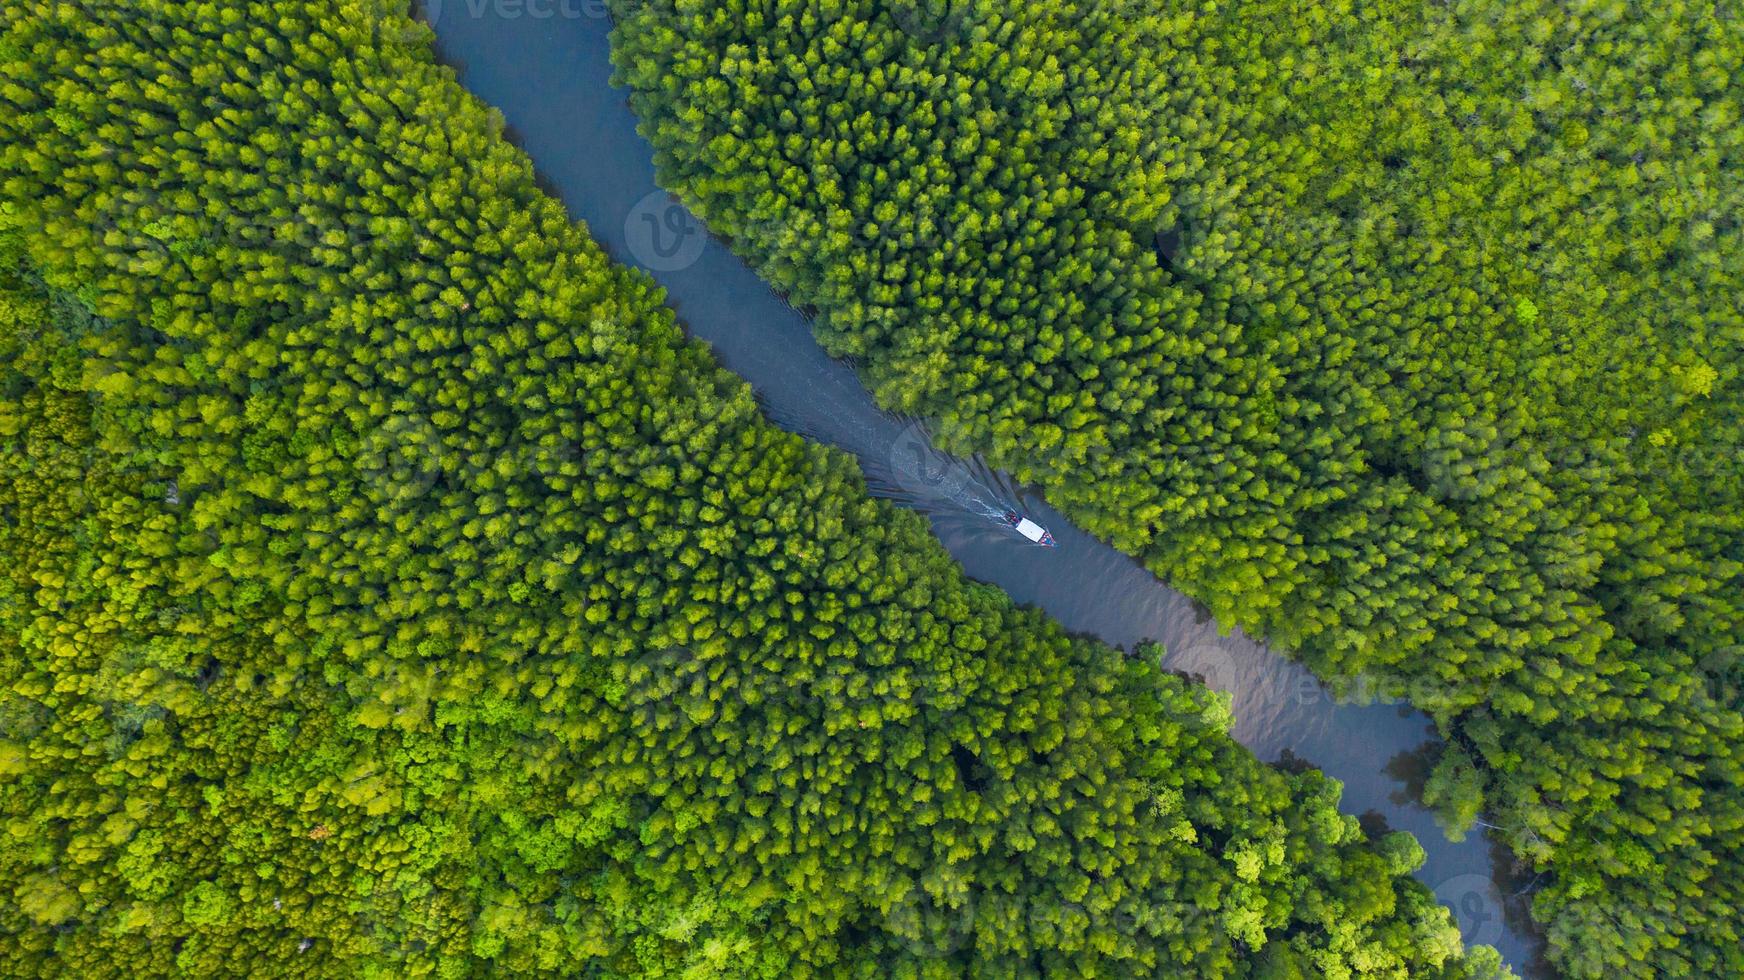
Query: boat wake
897	455
945	487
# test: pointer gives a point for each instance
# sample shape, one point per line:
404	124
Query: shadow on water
548	76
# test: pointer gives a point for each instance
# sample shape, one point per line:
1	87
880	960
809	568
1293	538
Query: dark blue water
544	64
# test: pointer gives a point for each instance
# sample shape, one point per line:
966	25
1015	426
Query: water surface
544	64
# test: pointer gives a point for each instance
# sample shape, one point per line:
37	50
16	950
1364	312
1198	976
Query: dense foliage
1405	334
390	589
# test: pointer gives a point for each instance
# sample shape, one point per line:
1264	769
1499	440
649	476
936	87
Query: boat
1029	529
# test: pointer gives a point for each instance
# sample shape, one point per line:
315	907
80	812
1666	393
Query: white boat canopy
1030	529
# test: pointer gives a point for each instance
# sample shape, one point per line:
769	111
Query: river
545	65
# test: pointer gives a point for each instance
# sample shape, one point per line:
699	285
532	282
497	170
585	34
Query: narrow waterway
545	66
